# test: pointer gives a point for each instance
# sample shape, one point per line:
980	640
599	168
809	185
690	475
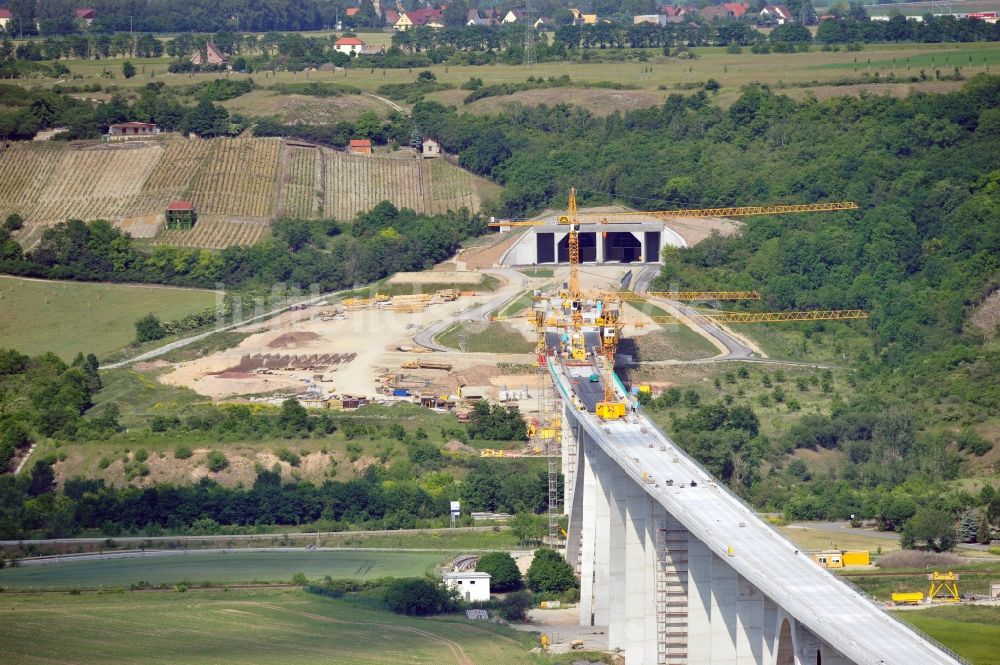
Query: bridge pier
664	595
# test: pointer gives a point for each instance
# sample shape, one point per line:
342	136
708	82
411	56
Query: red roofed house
85	14
725	10
5	17
181	215
777	14
432	18
212	54
391	16
349	45
351	11
123	131
360	147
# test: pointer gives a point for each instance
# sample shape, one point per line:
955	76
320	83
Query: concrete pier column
636	546
723	613
602	534
617	559
749	623
699	603
585	511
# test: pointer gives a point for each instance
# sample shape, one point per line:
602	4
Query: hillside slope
238	186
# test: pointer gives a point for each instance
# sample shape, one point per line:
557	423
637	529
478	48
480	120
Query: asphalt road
425	337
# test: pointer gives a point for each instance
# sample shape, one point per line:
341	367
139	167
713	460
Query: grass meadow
971	631
263	627
69	317
230	567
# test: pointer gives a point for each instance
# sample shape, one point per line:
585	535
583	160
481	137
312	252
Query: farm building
360	147
211	55
123	131
5	17
430	148
181	215
472	586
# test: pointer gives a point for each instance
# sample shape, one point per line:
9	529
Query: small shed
181	215
472	586
430	148
360	147
994	589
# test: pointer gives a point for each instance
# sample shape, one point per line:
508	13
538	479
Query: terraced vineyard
238	186
238	178
355	183
298	186
215	233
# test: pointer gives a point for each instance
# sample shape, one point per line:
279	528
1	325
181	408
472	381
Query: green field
219	567
972	632
731	71
494	337
261	627
69	317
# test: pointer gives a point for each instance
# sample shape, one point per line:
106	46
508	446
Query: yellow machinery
908	598
944	587
735	211
611	408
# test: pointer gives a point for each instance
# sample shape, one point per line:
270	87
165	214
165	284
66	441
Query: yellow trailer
908	598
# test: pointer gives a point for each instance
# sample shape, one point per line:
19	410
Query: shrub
504	574
183	452
299	579
141	455
515	606
418	596
216	461
149	328
549	572
286	455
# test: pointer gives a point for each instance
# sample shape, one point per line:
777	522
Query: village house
212	54
778	14
348	45
123	131
654	19
5	18
579	18
513	16
542	22
85	15
481	17
360	147
390	16
725	10
431	18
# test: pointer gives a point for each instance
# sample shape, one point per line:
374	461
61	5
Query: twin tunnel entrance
604	247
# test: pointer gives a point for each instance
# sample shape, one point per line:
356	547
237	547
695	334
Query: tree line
303	253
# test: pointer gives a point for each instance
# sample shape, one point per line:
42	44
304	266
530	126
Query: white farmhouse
471	585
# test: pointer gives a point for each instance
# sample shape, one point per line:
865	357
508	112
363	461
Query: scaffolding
548	439
671	594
